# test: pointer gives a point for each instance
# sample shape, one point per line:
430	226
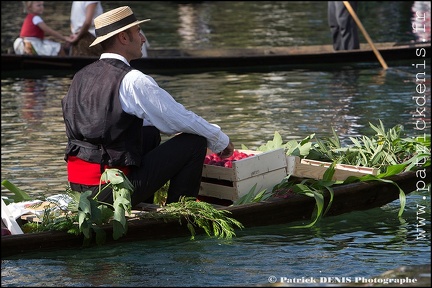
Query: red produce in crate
214	159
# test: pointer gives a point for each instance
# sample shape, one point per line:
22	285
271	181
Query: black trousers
179	160
342	26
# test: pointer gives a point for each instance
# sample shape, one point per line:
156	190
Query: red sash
87	173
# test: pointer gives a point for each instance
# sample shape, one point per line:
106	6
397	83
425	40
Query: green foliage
292	147
252	197
93	214
18	196
388	150
53	222
311	188
85	214
161	195
391	170
384	149
198	214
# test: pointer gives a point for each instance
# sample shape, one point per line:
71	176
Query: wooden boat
238	59
347	198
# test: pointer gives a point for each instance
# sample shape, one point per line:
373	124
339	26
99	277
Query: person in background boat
114	116
32	36
82	16
342	26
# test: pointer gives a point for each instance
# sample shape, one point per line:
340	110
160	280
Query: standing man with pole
342	26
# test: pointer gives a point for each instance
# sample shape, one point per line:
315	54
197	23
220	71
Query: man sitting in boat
114	115
32	36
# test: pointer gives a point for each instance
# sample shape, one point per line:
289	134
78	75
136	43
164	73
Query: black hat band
115	26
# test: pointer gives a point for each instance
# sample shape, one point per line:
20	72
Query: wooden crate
306	168
265	169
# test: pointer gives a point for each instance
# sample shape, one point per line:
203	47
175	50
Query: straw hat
114	21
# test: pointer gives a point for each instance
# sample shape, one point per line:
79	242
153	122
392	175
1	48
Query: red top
28	29
87	173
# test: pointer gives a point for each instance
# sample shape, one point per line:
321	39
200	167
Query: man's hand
228	151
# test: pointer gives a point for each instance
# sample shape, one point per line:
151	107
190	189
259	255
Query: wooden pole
366	35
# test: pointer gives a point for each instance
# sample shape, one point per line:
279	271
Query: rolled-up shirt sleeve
141	96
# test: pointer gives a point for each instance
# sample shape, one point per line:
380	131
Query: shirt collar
115	56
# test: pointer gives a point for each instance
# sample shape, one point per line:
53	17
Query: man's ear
123	37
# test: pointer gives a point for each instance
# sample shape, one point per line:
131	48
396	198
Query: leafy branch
198	214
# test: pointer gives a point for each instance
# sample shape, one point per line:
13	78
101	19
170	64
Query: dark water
250	107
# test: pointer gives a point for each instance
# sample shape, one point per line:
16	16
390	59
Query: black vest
98	129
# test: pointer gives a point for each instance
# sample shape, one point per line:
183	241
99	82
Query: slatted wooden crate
265	169
306	168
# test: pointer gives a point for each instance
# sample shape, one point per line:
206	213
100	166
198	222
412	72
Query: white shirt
78	15
141	96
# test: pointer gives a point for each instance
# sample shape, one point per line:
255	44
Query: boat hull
347	198
246	59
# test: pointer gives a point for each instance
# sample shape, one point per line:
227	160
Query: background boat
162	60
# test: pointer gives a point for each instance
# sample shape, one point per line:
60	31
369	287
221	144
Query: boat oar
366	35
